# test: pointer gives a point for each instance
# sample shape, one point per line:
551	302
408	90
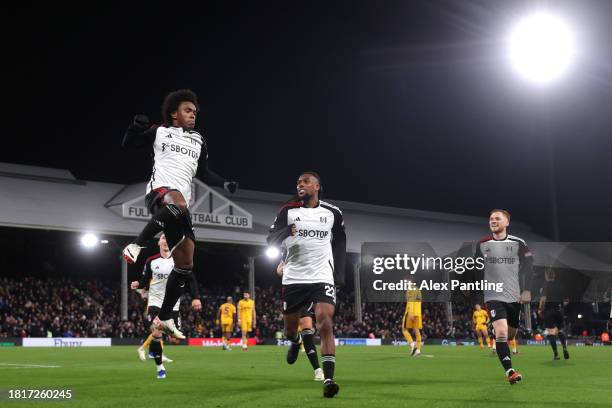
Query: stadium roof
46	198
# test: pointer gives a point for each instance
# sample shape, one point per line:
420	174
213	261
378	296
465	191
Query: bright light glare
89	240
272	252
580	316
541	47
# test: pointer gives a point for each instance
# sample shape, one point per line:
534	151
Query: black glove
230	186
141	122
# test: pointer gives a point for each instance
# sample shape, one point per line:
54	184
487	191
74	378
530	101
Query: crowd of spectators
34	307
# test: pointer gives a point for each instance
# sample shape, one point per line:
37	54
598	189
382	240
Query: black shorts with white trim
300	295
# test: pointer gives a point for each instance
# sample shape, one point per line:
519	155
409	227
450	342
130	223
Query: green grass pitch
368	376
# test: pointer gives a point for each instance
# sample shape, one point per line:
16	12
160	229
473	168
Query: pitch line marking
15	365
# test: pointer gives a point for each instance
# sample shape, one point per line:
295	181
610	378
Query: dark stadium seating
35	307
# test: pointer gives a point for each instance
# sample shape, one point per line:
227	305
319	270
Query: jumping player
177	149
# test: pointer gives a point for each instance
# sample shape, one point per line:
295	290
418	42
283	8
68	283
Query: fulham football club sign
207	208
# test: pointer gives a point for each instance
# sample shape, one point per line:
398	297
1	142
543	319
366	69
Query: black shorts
308	311
503	310
154	202
300	295
153	311
553	318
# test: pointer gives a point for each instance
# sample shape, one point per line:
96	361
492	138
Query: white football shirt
158	269
309	253
175	162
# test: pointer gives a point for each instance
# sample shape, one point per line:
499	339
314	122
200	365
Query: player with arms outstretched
179	151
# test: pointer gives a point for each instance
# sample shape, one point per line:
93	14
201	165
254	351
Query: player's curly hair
173	100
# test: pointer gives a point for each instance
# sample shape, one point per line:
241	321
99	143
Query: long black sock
157	223
310	348
503	352
297	339
561	336
175	286
553	342
329	364
156	349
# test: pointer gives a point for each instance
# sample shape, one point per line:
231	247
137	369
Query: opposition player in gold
225	316
480	318
246	317
413	320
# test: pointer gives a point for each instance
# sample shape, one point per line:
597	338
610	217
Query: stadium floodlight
541	47
272	252
89	240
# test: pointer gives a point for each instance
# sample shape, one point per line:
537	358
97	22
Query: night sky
409	104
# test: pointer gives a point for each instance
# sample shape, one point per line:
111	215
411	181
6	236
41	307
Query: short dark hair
173	100
506	213
315	175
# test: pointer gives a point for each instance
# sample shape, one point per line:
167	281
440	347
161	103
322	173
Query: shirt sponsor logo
161	276
183	150
307	233
500	260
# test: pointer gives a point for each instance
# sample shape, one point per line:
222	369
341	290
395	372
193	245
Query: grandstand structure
45	198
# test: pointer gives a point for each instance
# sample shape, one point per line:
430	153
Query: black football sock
561	336
553	342
297	339
175	286
329	364
156	349
310	348
503	352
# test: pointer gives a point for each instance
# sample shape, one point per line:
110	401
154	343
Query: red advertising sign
217	342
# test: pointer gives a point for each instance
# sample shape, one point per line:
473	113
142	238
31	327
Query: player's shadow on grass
410	381
493	401
558	363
